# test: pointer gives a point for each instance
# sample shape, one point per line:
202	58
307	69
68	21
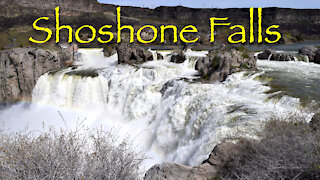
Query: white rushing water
157	104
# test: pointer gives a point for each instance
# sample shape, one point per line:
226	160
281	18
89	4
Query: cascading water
173	117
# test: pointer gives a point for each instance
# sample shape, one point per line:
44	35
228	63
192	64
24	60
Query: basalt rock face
20	69
128	54
220	63
298	23
207	170
24	12
68	5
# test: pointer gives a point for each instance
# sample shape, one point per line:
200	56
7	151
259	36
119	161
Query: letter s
275	33
41	29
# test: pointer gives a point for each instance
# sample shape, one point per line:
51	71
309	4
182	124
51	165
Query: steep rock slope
20	69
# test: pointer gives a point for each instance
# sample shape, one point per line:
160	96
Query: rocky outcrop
109	50
220	63
274	56
178	57
129	54
20	69
207	170
309	51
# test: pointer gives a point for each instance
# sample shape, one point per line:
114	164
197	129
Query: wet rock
218	64
159	56
207	170
274	56
317	57
129	54
109	50
309	51
20	69
282	57
266	54
178	57
315	122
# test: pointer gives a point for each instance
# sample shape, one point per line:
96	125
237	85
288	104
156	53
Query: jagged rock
109	50
218	64
207	170
20	69
274	56
266	54
66	58
282	57
178	57
315	122
159	56
309	51
128	54
317	57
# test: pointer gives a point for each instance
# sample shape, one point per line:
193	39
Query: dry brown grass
288	149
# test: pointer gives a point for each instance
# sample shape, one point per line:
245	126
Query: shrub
67	155
288	149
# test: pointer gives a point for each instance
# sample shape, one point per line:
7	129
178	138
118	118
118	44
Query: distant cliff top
71	5
17	16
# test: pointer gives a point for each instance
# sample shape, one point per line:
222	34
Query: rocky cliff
68	5
295	24
20	69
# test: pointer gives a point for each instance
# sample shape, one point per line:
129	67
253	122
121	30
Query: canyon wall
20	69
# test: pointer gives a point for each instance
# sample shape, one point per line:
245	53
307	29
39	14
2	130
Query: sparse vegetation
288	149
67	155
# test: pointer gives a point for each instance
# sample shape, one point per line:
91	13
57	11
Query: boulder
218	64
207	170
266	54
309	51
178	57
20	69
129	54
109	50
159	56
317	57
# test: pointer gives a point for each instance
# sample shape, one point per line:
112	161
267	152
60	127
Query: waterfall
175	118
270	57
66	88
306	59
